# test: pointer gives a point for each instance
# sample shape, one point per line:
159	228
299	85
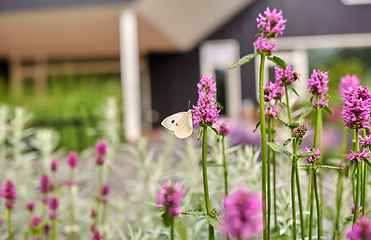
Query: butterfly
180	123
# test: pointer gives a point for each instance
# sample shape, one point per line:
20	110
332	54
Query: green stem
96	220
293	170
274	182
318	205
302	226
225	169
355	215
103	224
269	179
53	233
311	201
10	224
204	172
339	193
364	182
71	204
263	140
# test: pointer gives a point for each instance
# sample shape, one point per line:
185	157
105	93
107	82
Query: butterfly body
180	123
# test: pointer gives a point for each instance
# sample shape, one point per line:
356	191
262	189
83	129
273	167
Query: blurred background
62	59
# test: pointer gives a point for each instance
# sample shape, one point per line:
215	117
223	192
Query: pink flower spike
223	128
45	184
284	77
106	189
30	205
169	197
272	23
264	46
360	230
101	148
242	215
54	165
53	203
35	221
8	191
348	84
72	159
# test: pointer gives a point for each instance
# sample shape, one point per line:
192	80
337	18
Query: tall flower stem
71	205
302	226
100	195
318	205
339	194
263	139
355	215
172	229
274	182
10	224
225	169
269	178
53	232
364	181
206	186
311	202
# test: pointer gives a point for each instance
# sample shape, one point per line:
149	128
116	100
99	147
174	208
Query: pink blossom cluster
284	77
241	217
317	84
54	165
35	221
353	207
30	205
360	230
300	132
348	84
96	235
271	111
358	157
53	206
170	196
45	184
365	142
8	191
72	159
272	23
315	157
357	109
106	189
273	91
265	45
101	150
223	128
206	112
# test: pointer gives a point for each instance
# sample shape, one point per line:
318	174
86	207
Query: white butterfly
180	123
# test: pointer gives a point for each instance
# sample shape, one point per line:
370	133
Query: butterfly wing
184	126
171	121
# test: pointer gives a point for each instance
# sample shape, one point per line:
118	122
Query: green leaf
212	222
287	141
181	228
218	105
258	35
352	169
243	60
328	110
256	127
214	129
296	93
308	154
329	213
278	148
195	213
330	167
60	190
199	133
367	162
278	61
166	219
282	121
294	125
304	165
306	113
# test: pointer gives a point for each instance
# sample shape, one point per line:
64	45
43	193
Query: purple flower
100	161
53	203
358	157
272	112
96	235
8	191
365	142
317	83
72	159
106	190
341	164
35	221
321	103
348	84
241	217
101	148
169	197
45	184
353	207
272	23
315	157
30	205
93	213
223	128
300	132
205	113
360	230
54	165
273	91
53	215
46	229
357	109
284	77
265	45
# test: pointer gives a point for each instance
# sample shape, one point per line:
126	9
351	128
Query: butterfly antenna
189	104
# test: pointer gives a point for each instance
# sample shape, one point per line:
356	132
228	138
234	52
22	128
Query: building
161	47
